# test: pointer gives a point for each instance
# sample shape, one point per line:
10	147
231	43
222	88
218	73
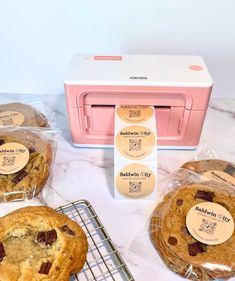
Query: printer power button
195	67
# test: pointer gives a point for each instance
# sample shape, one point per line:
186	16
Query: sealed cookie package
22	114
26	160
190	231
208	165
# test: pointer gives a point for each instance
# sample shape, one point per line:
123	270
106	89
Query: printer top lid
138	70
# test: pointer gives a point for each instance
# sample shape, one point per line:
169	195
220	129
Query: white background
38	37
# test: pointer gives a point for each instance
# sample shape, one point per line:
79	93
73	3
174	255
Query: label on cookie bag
135	152
210	223
11	118
13	157
220	176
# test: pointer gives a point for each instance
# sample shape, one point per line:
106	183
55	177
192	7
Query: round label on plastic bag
210	223
13	157
135	142
135	114
135	181
220	176
11	118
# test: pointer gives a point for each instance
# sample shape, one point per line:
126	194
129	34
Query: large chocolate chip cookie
20	114
36	243
180	251
203	166
29	180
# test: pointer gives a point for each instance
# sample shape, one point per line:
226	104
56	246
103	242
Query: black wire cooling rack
104	263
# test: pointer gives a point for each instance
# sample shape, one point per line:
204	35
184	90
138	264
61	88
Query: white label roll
135	152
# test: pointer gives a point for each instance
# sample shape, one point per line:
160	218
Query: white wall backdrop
38	37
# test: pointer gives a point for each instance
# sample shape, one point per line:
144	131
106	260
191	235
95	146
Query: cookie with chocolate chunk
180	251
20	114
37	243
204	166
31	178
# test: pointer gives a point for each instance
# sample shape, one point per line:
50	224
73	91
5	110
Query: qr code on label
135	145
7	122
135	186
208	226
134	113
8	161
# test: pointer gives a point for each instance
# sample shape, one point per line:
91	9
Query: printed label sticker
13	158
210	223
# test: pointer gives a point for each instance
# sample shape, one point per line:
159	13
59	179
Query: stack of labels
135	152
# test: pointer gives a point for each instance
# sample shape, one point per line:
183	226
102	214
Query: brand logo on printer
107	58
138	77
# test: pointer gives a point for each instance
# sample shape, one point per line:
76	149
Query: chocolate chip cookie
19	114
215	169
180	251
37	243
203	166
28	181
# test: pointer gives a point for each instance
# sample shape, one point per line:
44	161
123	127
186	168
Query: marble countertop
81	173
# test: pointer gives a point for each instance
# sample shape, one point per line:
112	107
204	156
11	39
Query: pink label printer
178	87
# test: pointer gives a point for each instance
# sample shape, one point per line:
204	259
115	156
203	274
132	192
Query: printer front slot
103	105
162	107
113	106
100	120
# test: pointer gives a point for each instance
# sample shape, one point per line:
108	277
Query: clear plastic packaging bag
26	114
209	166
191	230
26	161
206	153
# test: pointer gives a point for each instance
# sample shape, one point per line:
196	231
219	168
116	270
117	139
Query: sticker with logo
210	223
220	176
135	181
11	118
135	142
135	114
113	58
13	158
